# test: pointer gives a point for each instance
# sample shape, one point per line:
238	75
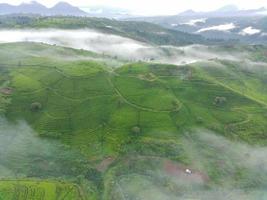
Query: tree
175	103
36	106
120	102
219	101
136	130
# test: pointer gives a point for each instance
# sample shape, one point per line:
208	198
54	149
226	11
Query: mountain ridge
228	10
61	8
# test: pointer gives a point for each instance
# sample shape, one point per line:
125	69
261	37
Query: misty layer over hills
226	23
116	46
227	157
20	146
19	143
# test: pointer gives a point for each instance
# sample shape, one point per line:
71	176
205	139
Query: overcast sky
156	7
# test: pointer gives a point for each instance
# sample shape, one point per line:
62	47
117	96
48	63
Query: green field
130	131
38	190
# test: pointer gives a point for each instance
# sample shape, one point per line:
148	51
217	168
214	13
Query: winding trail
240	93
138	106
79	100
247	120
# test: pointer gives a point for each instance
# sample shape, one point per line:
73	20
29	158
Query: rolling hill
136	130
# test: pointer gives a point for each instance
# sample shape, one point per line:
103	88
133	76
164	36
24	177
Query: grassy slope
93	109
38	190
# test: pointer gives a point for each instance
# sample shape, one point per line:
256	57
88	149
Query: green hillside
141	31
131	131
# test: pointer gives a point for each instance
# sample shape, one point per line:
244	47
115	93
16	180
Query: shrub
120	102
200	120
36	106
175	103
219	101
136	130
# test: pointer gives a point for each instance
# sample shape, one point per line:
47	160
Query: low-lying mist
236	170
117	46
78	39
24	154
222	169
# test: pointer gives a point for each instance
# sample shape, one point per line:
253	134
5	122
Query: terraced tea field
129	131
38	190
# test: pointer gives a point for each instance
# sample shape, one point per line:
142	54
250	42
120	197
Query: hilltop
130	129
33	7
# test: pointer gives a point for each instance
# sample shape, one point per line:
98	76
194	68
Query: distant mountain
226	11
228	8
30	8
62	8
108	12
224	24
6	8
188	12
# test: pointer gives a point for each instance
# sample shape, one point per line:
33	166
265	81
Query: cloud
78	39
249	31
194	22
124	49
222	169
222	27
24	153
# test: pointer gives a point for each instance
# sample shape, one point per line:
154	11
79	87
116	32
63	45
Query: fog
249	31
115	46
222	27
242	155
240	170
78	39
194	22
222	169
24	154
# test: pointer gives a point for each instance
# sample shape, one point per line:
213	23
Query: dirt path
103	166
138	106
247	120
60	95
113	86
240	93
